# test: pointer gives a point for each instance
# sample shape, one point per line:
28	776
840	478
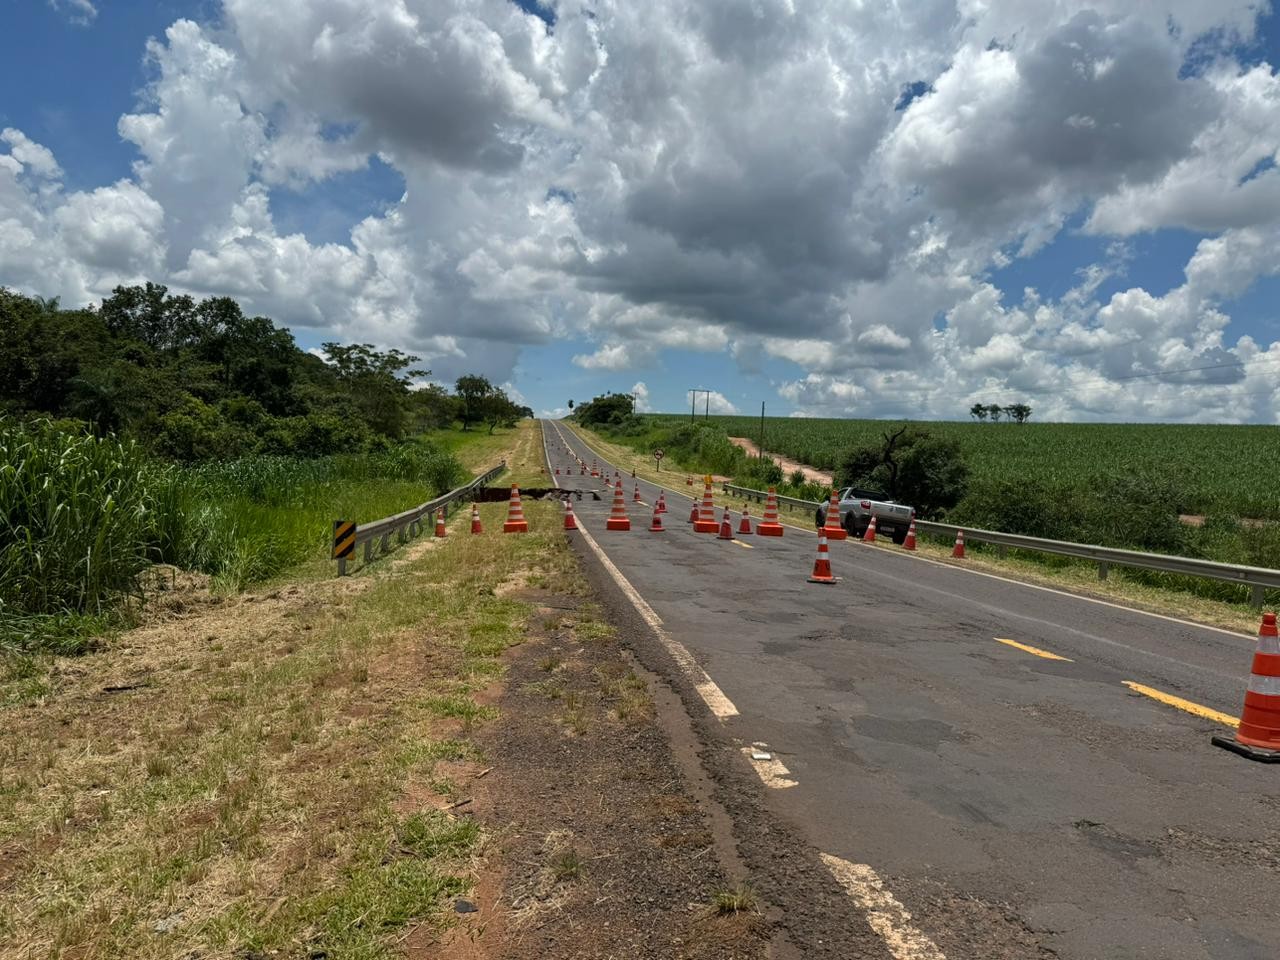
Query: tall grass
82	517
75	519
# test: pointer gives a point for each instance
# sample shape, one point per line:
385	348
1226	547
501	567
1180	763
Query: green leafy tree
978	411
473	394
378	382
912	466
995	411
607	410
1018	412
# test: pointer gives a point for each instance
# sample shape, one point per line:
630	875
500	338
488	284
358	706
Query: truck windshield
857	493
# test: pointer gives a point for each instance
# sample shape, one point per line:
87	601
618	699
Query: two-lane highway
980	778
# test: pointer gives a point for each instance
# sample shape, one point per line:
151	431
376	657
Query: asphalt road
976	779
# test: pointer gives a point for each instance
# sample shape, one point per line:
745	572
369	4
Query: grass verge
267	773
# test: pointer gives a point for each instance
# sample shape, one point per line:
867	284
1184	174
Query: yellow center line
1194	708
1035	650
741	544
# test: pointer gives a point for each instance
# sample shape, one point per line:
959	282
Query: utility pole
761	429
693	402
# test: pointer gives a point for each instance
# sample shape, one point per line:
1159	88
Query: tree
913	466
378	383
570	404
611	408
473	393
994	411
1018	412
978	411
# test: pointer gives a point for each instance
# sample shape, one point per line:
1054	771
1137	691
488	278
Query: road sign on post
657	456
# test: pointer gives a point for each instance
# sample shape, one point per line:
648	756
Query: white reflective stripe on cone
1267	686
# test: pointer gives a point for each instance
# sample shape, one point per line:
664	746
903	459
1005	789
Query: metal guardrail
1259	579
409	523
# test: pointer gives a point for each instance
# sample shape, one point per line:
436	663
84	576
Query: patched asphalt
1014	805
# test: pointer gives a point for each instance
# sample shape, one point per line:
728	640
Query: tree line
1017	412
199	380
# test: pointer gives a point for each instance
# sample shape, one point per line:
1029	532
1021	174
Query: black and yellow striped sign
344	539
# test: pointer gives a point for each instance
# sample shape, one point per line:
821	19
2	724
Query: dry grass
230	780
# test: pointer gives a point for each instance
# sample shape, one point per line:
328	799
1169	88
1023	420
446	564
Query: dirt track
812	474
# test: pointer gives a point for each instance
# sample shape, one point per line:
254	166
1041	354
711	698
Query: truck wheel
818	519
900	538
851	525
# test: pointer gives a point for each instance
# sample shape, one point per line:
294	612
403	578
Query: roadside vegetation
155	429
347	768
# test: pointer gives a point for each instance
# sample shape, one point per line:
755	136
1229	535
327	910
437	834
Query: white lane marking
712	695
772	771
885	914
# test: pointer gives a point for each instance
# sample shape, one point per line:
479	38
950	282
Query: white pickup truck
857	507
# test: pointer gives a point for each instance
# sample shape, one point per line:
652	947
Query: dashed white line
769	768
712	695
720	705
885	914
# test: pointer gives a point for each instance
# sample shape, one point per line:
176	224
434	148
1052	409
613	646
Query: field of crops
82	517
1232	470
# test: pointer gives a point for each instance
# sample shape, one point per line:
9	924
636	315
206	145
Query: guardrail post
1257	595
368	551
386	542
1002	551
1103	567
342	566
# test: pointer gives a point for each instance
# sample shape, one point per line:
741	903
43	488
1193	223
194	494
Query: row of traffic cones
1257	736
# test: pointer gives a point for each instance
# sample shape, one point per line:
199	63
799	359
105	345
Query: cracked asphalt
1014	805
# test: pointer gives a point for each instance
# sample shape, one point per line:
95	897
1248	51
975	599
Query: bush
913	467
1017	506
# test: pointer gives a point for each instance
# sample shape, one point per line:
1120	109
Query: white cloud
34	157
712	401
613	356
641	394
606	181
80	12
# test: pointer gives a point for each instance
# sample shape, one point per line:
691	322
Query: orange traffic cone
557	471
516	523
583	471
832	527
769	526
744	528
726	526
822	565
662	502
706	522
570	521
440	530
635	495
475	519
618	519
869	535
957	551
688	481
1258	736
595	471
910	542
655	525
693	513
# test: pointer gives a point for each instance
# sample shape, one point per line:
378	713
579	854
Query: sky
835	209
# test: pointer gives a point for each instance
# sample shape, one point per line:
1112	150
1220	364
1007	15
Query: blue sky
78	80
